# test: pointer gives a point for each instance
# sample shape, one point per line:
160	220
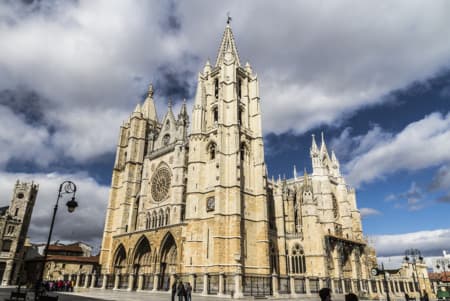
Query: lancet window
216	88
298	262
335	206
212	151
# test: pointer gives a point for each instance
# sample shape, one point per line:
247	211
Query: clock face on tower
160	184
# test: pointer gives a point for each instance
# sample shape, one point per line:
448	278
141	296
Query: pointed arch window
167	216
243	151
238	88
216	88
148	222
215	115
154	220
166	139
335	206
298	262
161	218
212	151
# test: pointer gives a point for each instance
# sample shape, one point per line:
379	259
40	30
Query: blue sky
373	76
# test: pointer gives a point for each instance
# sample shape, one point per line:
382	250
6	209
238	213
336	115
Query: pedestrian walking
351	297
425	296
325	294
188	289
174	290
180	291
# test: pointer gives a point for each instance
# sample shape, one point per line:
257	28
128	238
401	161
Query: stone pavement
95	294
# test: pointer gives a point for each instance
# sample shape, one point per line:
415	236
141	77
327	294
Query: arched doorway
142	259
168	262
120	260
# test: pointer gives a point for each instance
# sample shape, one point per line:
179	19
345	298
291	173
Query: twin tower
197	205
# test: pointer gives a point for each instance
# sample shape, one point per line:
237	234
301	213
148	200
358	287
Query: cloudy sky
373	76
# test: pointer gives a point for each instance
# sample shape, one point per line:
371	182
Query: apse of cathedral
190	199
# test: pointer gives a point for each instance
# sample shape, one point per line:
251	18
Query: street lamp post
411	257
66	188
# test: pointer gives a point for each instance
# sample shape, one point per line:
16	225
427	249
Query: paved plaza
94	294
123	295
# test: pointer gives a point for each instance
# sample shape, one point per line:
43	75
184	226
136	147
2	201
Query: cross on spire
228	18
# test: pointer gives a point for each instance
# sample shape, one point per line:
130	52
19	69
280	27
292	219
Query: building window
238	89
298	263
212	151
167	216
215	115
17	212
166	139
216	88
6	247
335	207
243	151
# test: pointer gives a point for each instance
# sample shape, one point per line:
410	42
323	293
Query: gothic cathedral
197	205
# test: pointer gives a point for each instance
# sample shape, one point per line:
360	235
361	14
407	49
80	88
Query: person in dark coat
188	289
351	297
325	294
174	290
425	296
181	293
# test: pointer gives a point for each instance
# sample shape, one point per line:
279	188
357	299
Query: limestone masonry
197	205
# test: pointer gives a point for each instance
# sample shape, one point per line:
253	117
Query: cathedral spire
228	45
148	107
183	116
314	149
323	146
295	173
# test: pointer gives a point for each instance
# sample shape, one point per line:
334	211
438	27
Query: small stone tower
14	223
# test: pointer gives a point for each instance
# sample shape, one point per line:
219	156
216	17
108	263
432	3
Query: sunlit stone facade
14	223
197	205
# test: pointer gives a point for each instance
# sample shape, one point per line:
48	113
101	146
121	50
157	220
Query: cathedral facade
198	206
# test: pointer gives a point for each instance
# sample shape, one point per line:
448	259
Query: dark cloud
441	184
441	179
173	83
171	22
25	102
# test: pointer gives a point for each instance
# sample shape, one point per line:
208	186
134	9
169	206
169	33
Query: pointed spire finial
323	146
150	90
305	178
295	173
169	103
228	18
227	45
314	147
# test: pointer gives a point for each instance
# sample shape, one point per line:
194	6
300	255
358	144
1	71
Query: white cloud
421	144
84	224
316	63
428	242
17	138
368	212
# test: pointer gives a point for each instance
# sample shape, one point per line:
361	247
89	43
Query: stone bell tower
226	206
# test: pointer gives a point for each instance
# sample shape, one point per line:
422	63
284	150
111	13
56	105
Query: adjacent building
64	262
14	223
